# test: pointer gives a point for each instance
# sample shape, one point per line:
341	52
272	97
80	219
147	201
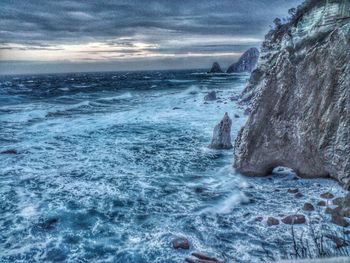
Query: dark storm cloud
25	21
130	34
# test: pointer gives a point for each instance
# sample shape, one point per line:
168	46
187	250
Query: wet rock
293	190
48	224
180	243
9	151
216	68
237	116
308	207
176	108
210	96
321	203
271	221
327	195
222	134
339	220
298	195
294	220
339	242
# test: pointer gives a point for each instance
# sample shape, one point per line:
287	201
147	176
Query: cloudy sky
39	36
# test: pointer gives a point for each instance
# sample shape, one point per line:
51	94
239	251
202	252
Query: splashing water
112	166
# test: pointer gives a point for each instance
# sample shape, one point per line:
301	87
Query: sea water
112	166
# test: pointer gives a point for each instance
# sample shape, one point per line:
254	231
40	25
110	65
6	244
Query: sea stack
222	134
300	97
216	68
247	62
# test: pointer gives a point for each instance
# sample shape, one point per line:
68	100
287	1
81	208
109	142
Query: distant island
246	63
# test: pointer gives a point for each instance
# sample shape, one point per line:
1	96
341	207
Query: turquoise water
112	166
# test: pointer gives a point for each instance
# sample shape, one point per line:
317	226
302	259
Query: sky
46	36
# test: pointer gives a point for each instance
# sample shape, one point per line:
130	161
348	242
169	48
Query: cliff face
299	97
247	62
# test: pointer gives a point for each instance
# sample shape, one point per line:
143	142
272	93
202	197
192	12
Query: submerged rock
210	96
246	63
299	98
222	134
216	68
9	151
298	195
180	243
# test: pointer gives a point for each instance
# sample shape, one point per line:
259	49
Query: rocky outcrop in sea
222	134
299	97
216	68
247	62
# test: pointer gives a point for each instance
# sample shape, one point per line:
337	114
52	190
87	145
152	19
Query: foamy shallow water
109	168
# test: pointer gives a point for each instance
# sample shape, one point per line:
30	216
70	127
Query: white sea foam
231	202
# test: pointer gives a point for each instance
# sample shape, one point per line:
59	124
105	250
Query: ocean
111	167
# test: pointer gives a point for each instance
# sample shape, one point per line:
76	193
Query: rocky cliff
247	62
299	97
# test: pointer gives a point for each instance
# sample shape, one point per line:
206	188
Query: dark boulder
327	195
294	220
293	190
180	243
308	207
